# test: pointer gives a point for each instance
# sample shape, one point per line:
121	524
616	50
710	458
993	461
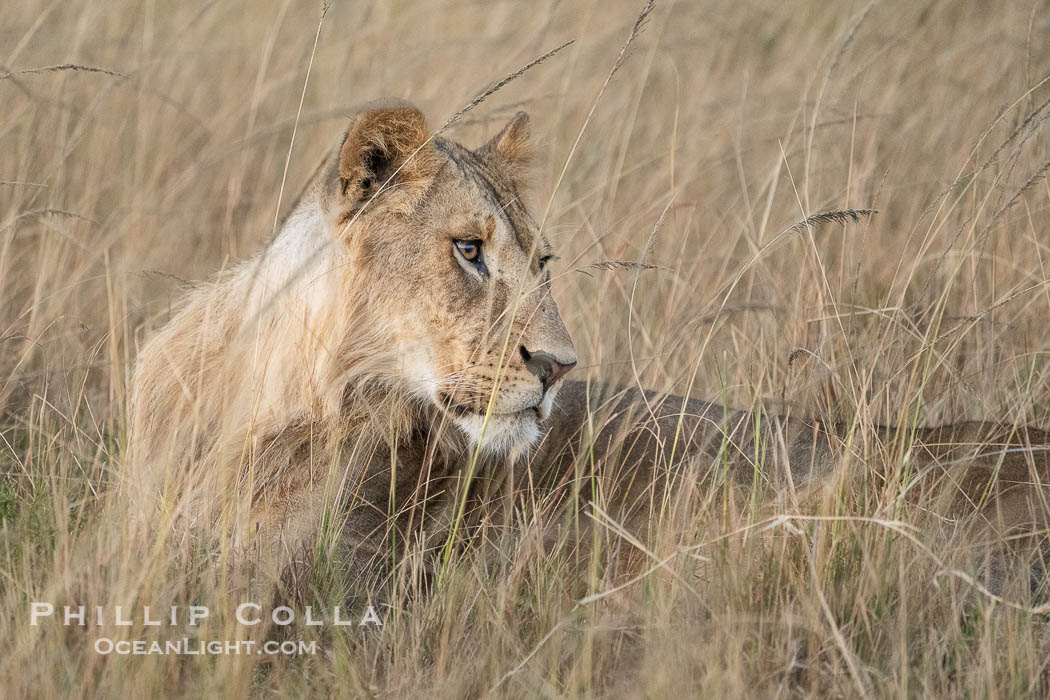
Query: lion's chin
503	434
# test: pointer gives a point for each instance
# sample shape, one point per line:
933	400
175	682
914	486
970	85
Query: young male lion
397	339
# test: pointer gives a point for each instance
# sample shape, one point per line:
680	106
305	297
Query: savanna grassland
146	145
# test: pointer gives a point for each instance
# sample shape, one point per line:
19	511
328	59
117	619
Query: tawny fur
359	360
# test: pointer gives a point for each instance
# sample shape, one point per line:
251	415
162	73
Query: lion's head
454	268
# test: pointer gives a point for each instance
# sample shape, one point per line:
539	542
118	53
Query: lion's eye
470	250
544	260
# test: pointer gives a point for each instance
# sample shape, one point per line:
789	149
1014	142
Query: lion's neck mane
285	340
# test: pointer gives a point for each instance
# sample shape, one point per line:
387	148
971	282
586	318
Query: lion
398	337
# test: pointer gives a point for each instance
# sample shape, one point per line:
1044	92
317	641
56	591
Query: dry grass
146	144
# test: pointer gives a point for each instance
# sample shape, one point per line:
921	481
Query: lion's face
456	271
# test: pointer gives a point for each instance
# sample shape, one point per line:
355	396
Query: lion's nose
545	366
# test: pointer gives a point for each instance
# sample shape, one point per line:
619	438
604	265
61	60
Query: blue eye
470	250
544	260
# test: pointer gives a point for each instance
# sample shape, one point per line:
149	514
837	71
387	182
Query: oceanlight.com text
201	647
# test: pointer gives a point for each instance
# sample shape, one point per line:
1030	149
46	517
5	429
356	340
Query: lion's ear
385	145
512	149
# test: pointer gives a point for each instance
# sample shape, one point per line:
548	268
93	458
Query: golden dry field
148	145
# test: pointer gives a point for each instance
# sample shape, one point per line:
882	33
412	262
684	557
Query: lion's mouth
459	408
